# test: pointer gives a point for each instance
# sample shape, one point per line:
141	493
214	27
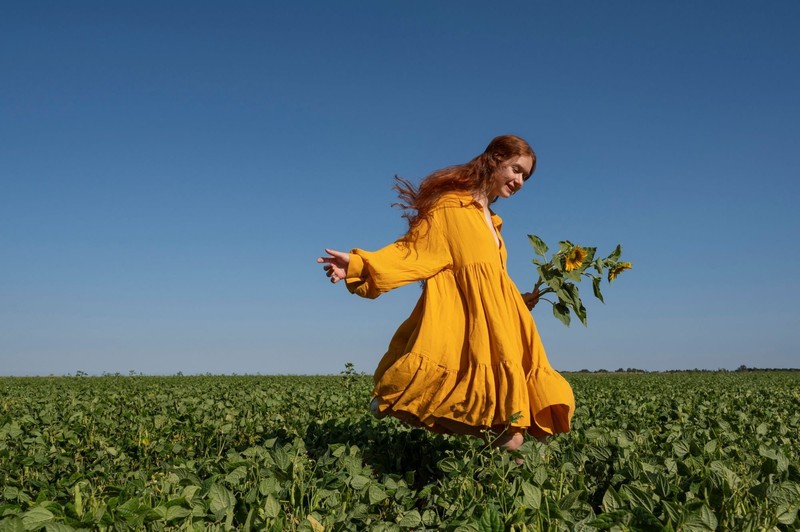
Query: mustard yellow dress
469	352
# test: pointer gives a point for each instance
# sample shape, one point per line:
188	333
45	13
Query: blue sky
171	171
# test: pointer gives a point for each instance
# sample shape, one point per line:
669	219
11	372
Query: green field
684	451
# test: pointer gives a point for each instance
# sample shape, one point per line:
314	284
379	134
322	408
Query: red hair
474	176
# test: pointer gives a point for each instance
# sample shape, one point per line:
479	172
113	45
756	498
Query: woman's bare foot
510	442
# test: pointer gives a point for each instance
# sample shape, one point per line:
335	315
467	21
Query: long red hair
474	176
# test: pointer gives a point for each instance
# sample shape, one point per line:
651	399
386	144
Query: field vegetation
683	451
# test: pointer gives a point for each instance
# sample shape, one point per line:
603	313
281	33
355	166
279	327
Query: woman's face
510	176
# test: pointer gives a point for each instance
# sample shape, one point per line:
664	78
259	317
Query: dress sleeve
419	255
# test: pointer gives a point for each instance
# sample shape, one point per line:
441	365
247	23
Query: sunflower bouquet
568	266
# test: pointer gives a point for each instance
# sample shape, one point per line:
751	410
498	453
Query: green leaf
540	475
571	501
12	429
236	476
282	459
680	448
359	482
615	254
450	465
637	497
787	514
699	517
564	297
782	462
612	501
221	499
710	446
661	484
429	518
672	511
599	264
551	276
581	312
35	518
596	287
160	511
8	509
410	519
189	492
11	524
539	247
272	508
531	496
561	311
376	494
177	512
645	521
608	520
129	510
568	295
599	452
564	246
490	521
572	294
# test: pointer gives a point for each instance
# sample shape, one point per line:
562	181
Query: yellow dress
469	352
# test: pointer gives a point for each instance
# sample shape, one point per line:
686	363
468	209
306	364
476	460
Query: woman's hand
335	264
531	298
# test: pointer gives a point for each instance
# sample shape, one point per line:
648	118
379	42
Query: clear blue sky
171	170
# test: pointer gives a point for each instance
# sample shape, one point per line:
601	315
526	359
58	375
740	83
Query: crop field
682	451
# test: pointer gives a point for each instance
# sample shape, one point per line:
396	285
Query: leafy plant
562	272
693	451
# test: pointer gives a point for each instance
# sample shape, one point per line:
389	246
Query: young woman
468	358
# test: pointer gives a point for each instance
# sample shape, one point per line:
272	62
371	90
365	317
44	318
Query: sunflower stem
540	298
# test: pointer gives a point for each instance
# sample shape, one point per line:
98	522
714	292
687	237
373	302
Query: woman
468	358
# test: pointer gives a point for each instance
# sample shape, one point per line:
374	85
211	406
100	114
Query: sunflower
574	258
619	268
